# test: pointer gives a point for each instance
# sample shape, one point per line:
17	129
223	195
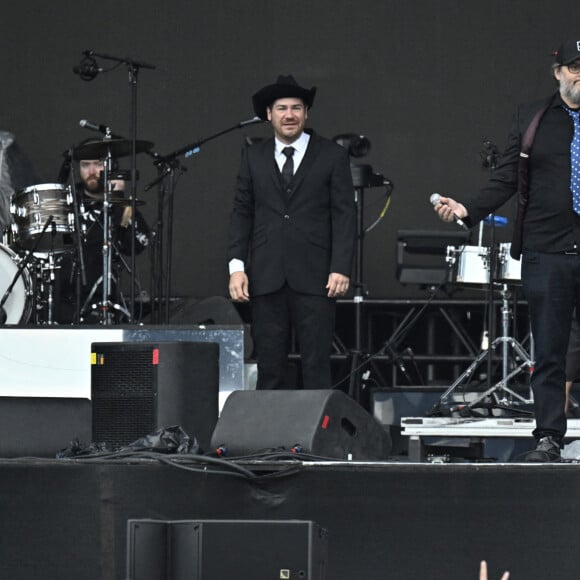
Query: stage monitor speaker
42	426
221	549
139	387
321	422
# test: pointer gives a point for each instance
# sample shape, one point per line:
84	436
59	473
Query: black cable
193	463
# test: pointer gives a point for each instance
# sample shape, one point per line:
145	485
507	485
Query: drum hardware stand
81	276
489	160
21	266
522	357
104	306
95	306
47	267
114	305
115	252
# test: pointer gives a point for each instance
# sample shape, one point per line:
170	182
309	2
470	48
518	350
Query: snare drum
471	264
18	306
510	270
31	209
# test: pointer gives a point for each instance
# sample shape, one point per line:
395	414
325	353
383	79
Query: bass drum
18	306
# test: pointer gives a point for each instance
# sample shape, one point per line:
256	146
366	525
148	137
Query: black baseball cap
568	52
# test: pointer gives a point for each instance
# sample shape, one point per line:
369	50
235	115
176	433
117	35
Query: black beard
95	186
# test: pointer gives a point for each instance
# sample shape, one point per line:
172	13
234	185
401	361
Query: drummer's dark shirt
550	223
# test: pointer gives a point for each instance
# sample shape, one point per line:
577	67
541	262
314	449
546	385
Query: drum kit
492	268
45	220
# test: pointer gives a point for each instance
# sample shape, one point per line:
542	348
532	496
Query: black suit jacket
298	238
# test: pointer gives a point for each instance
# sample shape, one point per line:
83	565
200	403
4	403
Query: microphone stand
167	164
81	278
133	68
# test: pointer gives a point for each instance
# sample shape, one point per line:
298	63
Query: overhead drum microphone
85	124
88	68
435	198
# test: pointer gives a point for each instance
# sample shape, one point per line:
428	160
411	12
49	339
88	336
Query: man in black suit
291	237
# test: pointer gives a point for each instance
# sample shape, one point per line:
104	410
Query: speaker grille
123	394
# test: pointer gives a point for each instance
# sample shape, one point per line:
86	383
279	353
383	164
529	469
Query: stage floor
66	519
399	519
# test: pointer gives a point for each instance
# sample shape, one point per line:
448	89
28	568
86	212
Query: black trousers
551	284
312	318
573	355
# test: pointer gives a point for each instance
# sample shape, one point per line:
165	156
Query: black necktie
288	167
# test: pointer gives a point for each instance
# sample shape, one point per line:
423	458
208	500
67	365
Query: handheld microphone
251	121
94	126
435	198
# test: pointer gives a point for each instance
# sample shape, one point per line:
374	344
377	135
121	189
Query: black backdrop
425	81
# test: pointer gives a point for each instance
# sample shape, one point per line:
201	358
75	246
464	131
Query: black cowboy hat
284	87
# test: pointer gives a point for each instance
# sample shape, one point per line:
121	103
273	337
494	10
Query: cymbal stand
81	275
105	304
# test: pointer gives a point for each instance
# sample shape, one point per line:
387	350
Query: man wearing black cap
542	164
291	237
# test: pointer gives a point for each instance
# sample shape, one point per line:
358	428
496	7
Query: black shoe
547	449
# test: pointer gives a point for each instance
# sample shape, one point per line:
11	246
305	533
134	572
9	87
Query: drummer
76	301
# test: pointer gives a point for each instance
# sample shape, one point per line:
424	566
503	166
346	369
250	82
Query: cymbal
114	199
117	148
125	201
